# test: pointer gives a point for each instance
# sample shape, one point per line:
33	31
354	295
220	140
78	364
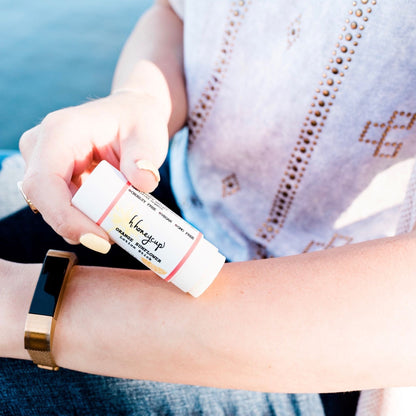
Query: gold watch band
44	309
43	359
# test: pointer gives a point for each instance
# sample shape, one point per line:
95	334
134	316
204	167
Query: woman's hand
128	129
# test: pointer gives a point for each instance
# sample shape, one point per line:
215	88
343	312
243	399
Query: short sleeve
178	6
407	219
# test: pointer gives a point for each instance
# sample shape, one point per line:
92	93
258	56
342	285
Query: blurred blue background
56	53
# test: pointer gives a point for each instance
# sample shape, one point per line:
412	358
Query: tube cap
200	270
98	191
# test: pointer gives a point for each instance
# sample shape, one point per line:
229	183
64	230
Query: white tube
148	230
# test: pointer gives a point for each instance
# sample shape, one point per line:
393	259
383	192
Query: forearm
152	62
333	320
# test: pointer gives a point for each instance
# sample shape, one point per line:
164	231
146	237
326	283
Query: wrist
92	317
18	284
147	83
142	97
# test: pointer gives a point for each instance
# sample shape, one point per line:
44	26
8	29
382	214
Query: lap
27	390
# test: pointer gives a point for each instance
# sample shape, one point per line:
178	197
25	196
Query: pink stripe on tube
184	258
113	202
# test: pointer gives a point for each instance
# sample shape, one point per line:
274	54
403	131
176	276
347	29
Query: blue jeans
27	390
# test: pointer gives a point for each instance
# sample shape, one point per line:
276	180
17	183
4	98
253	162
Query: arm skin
335	320
152	62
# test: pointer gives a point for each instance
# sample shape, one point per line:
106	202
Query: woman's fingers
53	200
127	130
144	149
27	143
55	152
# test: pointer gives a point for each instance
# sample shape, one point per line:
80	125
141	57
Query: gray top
302	128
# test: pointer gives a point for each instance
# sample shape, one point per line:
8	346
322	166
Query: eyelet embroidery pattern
407	215
230	185
407	219
261	252
383	148
293	32
323	99
199	115
337	240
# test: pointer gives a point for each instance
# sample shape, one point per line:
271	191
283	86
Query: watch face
49	286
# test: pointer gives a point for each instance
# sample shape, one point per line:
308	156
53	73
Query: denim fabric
26	390
12	169
4	153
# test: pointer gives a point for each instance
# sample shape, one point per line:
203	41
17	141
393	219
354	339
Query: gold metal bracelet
44	309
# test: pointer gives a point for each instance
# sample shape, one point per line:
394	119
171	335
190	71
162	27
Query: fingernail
148	165
95	243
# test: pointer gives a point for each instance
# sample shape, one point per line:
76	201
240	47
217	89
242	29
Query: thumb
143	151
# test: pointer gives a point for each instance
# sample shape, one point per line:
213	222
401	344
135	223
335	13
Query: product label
150	232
